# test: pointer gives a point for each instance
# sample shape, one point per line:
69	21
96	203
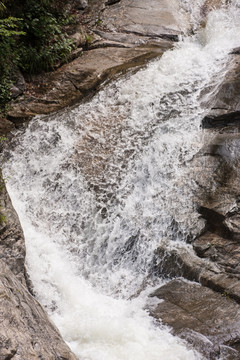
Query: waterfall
99	187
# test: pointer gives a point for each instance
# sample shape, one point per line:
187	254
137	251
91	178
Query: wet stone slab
154	18
207	320
219	249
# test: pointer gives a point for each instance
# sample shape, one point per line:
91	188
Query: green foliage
31	38
8	31
5	81
3	218
5	85
35	40
89	39
2	7
35	60
226	294
45	44
8	27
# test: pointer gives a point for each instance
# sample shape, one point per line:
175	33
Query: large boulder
207	320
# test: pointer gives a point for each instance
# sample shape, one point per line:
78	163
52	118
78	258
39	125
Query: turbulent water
98	188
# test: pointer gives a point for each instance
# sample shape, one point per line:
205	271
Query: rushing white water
100	187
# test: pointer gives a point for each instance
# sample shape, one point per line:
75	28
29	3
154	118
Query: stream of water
99	187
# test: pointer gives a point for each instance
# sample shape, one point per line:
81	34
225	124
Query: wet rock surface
26	332
220	241
208	5
219	249
218	205
12	246
163	19
226	108
215	265
183	263
207	320
79	79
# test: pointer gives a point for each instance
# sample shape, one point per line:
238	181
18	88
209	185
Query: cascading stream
100	187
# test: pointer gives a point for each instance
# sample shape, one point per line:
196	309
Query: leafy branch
8	27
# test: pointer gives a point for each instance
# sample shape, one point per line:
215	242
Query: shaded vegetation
32	38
